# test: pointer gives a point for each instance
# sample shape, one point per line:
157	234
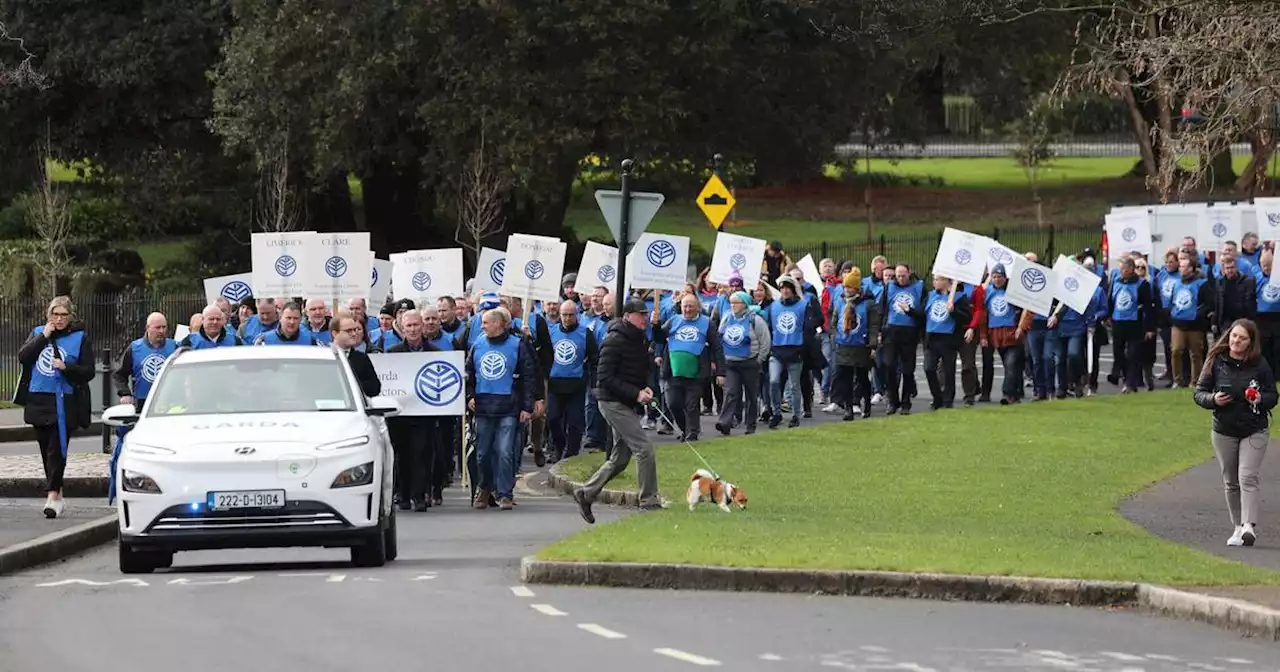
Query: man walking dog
622	377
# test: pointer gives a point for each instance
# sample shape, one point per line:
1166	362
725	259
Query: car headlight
354	477
345	443
136	481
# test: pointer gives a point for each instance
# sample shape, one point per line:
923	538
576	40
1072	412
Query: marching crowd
562	374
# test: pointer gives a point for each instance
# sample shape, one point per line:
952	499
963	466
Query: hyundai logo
246	450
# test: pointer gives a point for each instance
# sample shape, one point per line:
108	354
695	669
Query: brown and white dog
705	486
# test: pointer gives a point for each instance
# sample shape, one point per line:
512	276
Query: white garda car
268	447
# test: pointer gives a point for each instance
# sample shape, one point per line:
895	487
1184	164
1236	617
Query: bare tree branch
23	73
479	193
280	206
49	209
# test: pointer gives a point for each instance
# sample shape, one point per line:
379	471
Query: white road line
601	631
770	656
687	657
521	591
547	610
1237	661
1127	657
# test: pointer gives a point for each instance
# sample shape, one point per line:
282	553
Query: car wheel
390	541
133	561
373	552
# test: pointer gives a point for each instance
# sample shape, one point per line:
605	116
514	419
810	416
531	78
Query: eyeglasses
352	331
59	314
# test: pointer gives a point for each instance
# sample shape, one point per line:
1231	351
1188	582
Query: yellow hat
853	279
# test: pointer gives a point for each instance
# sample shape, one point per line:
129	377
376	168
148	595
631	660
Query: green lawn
1028	491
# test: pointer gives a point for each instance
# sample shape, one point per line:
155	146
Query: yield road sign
644	205
715	201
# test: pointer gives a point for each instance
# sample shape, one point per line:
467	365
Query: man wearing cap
623	378
388	335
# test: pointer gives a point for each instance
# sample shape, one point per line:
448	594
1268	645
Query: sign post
624	231
625	223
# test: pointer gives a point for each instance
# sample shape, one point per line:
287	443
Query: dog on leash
705	486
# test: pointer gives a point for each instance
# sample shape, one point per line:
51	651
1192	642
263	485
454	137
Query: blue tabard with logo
1125	297
688	335
908	297
147	360
1000	313
735	335
938	320
442	342
495	365
322	337
274	337
788	321
1186	297
200	342
851	337
47	380
569	351
1268	296
1167	281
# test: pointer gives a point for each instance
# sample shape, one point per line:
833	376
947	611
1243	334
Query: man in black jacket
623	379
348	335
416	439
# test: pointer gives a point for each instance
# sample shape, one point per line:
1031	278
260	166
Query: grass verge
1030	491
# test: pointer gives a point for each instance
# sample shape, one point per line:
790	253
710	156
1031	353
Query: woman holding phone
1238	385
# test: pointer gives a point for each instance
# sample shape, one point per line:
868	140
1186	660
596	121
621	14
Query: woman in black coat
57	365
1239	387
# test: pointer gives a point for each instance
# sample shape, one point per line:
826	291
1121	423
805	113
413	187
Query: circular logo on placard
493	365
963	257
606	273
236	291
738	261
999	306
734	335
45	363
534	270
1271	293
938	311
1070	284
1129	234
421	281
150	367
1182	299
373	277
1033	280
661	253
786	323
1219	229
566	353
687	334
1000	255
336	267
286	266
495	271
438	383
1123	301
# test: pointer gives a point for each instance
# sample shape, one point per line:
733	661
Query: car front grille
295	515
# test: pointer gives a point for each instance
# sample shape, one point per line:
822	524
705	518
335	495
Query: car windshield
251	386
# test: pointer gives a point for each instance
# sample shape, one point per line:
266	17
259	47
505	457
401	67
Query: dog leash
658	407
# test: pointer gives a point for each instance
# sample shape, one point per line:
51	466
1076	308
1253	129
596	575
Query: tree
1034	135
479	194
49	213
23	73
279	206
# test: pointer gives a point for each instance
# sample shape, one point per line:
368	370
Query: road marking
1237	661
335	578
425	577
687	657
209	582
521	591
1163	658
770	656
601	631
1127	657
547	610
85	582
874	649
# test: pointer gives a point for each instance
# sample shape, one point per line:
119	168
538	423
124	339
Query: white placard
1031	286
425	383
810	271
999	254
962	256
1128	231
659	261
1267	213
534	266
181	331
380	283
490	270
599	268
234	288
1217	225
737	253
338	266
424	275
280	263
1074	284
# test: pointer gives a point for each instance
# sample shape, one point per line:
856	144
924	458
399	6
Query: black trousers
712	395
1129	349
686	395
988	372
742	393
940	359
852	387
900	365
51	454
415	444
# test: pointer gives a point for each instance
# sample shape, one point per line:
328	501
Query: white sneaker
645	423
831	408
857	410
1248	534
48	507
53	508
877	399
1237	537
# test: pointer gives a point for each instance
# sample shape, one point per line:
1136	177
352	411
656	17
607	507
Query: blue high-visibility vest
147	360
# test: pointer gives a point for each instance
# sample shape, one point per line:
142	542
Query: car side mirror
120	415
382	407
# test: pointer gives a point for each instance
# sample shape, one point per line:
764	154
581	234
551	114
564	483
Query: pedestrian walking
1239	387
623	379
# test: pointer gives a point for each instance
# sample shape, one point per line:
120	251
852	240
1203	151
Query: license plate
246	499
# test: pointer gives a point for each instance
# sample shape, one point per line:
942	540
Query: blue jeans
1071	354
877	380
794	370
1041	370
495	445
596	427
565	421
828	351
1055	358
